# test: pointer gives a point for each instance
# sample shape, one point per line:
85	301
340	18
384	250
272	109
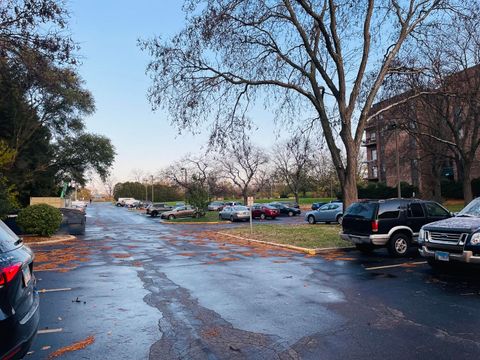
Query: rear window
361	210
389	210
7	238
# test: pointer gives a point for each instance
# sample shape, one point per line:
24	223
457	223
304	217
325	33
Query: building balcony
369	142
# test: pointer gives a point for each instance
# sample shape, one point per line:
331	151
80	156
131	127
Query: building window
373	154
374	171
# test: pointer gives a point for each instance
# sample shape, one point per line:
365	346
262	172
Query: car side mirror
453	214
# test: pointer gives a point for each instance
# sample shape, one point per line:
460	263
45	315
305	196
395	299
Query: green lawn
308	236
210	216
454	207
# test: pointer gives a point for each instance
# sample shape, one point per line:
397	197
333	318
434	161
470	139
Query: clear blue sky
114	70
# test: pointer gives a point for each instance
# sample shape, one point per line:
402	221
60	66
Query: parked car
179	212
233	203
286	210
264	211
317	205
157	208
456	239
234	213
392	223
216	206
328	213
19	301
121	201
292	204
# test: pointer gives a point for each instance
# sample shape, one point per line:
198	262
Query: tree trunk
348	179
467	183
296	197
245	198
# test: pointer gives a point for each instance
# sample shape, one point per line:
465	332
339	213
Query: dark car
286	210
19	301
292	204
264	211
392	223
317	205
453	240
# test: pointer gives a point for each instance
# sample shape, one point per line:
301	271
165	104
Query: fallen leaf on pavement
74	347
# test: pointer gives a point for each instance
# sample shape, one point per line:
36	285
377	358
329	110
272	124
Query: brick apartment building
423	161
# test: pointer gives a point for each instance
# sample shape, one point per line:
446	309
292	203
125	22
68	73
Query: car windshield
471	210
240	208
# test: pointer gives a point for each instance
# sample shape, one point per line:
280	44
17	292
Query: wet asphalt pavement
143	289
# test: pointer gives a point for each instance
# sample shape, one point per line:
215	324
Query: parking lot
141	289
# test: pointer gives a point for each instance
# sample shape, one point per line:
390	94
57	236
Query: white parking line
54	290
396	265
49	331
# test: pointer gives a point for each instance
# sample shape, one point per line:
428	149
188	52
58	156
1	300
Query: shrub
40	219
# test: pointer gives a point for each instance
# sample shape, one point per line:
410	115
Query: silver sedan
331	212
234	213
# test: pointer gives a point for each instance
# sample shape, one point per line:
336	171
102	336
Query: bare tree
241	163
138	175
109	185
448	119
191	167
292	159
326	57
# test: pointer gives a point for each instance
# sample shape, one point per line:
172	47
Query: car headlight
421	236
475	239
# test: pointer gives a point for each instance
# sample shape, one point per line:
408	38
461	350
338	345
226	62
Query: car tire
262	217
154	214
171	217
220	217
339	219
290	213
399	244
232	219
311	219
365	248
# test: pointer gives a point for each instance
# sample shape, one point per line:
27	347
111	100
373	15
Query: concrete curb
286	246
53	241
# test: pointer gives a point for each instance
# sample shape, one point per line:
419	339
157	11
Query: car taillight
374	225
8	273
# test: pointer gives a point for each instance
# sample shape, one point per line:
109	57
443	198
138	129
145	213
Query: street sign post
250	204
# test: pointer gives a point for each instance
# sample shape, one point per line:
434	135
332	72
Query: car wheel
231	218
262	216
290	213
339	219
154	214
311	219
364	248
220	217
171	217
399	244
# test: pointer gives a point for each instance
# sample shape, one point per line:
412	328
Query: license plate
442	256
27	276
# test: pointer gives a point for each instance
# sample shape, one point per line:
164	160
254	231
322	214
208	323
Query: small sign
250	201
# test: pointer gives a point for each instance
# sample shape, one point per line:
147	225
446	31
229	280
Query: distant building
423	161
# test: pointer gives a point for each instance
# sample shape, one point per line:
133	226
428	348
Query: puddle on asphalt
245	293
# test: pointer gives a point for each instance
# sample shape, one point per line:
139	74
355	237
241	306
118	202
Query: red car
264	211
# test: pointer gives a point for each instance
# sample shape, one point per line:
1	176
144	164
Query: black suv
456	239
394	223
19	301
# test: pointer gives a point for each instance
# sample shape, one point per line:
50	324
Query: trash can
74	221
